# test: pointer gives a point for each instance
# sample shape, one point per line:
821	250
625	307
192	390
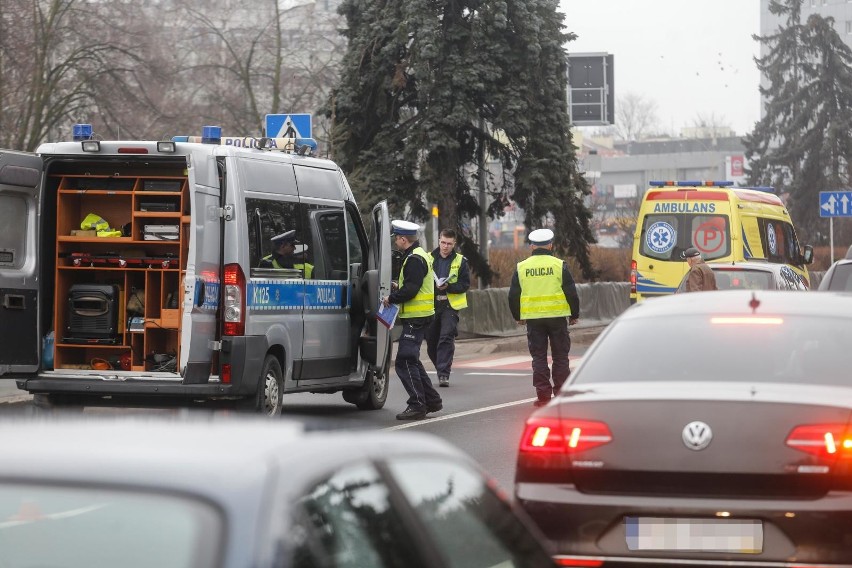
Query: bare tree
635	116
711	125
51	71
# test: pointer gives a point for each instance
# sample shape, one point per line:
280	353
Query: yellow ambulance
725	223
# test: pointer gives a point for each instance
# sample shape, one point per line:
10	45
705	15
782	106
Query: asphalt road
489	398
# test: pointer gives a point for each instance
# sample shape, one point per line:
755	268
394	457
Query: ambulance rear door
20	280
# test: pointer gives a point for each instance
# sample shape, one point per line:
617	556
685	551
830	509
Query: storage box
169	318
83	233
160	233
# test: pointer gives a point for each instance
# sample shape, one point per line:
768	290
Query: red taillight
554	435
226	373
828	441
634	275
577	562
130	150
234	300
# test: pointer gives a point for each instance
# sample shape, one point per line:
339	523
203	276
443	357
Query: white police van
139	273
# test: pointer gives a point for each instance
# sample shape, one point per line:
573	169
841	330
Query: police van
138	272
725	223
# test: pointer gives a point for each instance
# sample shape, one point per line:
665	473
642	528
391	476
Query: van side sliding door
20	212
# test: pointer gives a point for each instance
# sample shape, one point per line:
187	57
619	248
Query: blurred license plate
707	535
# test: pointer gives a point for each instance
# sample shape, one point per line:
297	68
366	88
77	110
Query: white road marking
497	362
492	374
414	423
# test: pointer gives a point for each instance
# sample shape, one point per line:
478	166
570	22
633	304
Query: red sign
709	236
737	166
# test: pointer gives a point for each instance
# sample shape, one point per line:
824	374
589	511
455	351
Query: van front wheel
373	394
270	389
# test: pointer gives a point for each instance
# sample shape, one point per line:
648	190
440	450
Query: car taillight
633	276
554	435
234	300
829	441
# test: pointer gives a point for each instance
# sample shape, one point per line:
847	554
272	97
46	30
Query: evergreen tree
428	87
803	143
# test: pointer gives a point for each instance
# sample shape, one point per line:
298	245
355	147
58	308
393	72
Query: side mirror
808	255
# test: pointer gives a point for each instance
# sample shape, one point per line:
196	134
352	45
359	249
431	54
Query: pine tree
429	86
803	143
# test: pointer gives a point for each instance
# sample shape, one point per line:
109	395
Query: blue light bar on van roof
81	132
691	183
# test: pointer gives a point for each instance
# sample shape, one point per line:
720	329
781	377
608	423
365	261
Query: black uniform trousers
540	332
421	393
441	339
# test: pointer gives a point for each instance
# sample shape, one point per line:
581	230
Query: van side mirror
808	254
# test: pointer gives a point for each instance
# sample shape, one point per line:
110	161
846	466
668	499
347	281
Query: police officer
283	254
542	295
452	280
415	296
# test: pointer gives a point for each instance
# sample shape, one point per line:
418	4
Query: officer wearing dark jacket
543	296
415	296
284	254
452	281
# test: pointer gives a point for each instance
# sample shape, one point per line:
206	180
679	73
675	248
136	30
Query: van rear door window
665	237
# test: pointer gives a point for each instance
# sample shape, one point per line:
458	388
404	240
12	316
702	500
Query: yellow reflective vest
306	267
423	303
540	277
457	301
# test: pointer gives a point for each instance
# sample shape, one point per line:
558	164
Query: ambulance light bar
691	183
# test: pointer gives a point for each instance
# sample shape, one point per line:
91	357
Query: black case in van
92	314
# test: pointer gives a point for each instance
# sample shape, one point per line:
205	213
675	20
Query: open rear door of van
382	258
20	242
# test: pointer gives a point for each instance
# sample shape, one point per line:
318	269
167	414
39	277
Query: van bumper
122	387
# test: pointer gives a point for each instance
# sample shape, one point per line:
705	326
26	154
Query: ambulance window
276	237
779	241
711	235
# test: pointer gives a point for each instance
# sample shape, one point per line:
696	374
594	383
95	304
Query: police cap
691	252
404	228
541	237
286	237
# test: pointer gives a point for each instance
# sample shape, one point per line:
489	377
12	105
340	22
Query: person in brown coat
701	277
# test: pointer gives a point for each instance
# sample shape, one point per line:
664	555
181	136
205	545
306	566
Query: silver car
233	494
753	275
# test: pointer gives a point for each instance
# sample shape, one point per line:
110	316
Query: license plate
701	535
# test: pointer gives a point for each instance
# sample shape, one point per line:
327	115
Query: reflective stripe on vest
540	277
422	304
306	268
457	301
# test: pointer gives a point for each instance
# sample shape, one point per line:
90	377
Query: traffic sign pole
831	237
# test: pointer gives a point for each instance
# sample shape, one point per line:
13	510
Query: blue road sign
835	203
288	125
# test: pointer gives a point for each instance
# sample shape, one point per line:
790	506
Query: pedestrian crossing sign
288	125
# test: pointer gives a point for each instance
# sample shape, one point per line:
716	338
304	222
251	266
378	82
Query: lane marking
493	374
414	423
488	363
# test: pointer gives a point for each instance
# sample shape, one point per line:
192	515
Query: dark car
701	429
753	275
838	277
204	494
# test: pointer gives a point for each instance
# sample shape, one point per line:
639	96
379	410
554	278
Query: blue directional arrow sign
835	203
288	125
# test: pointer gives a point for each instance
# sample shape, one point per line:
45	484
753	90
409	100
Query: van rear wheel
270	389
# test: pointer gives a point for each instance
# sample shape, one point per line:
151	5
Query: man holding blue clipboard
415	296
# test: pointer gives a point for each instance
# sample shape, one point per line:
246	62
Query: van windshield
665	237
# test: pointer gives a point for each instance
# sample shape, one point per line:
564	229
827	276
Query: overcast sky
689	56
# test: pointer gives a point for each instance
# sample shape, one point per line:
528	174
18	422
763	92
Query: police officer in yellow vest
452	280
543	296
415	296
283	255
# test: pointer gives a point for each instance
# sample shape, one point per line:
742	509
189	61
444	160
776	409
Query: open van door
380	260
20	214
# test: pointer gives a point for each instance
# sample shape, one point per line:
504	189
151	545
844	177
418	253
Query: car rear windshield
783	349
743	280
84	527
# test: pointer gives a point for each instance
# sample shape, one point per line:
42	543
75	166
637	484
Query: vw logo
697	435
